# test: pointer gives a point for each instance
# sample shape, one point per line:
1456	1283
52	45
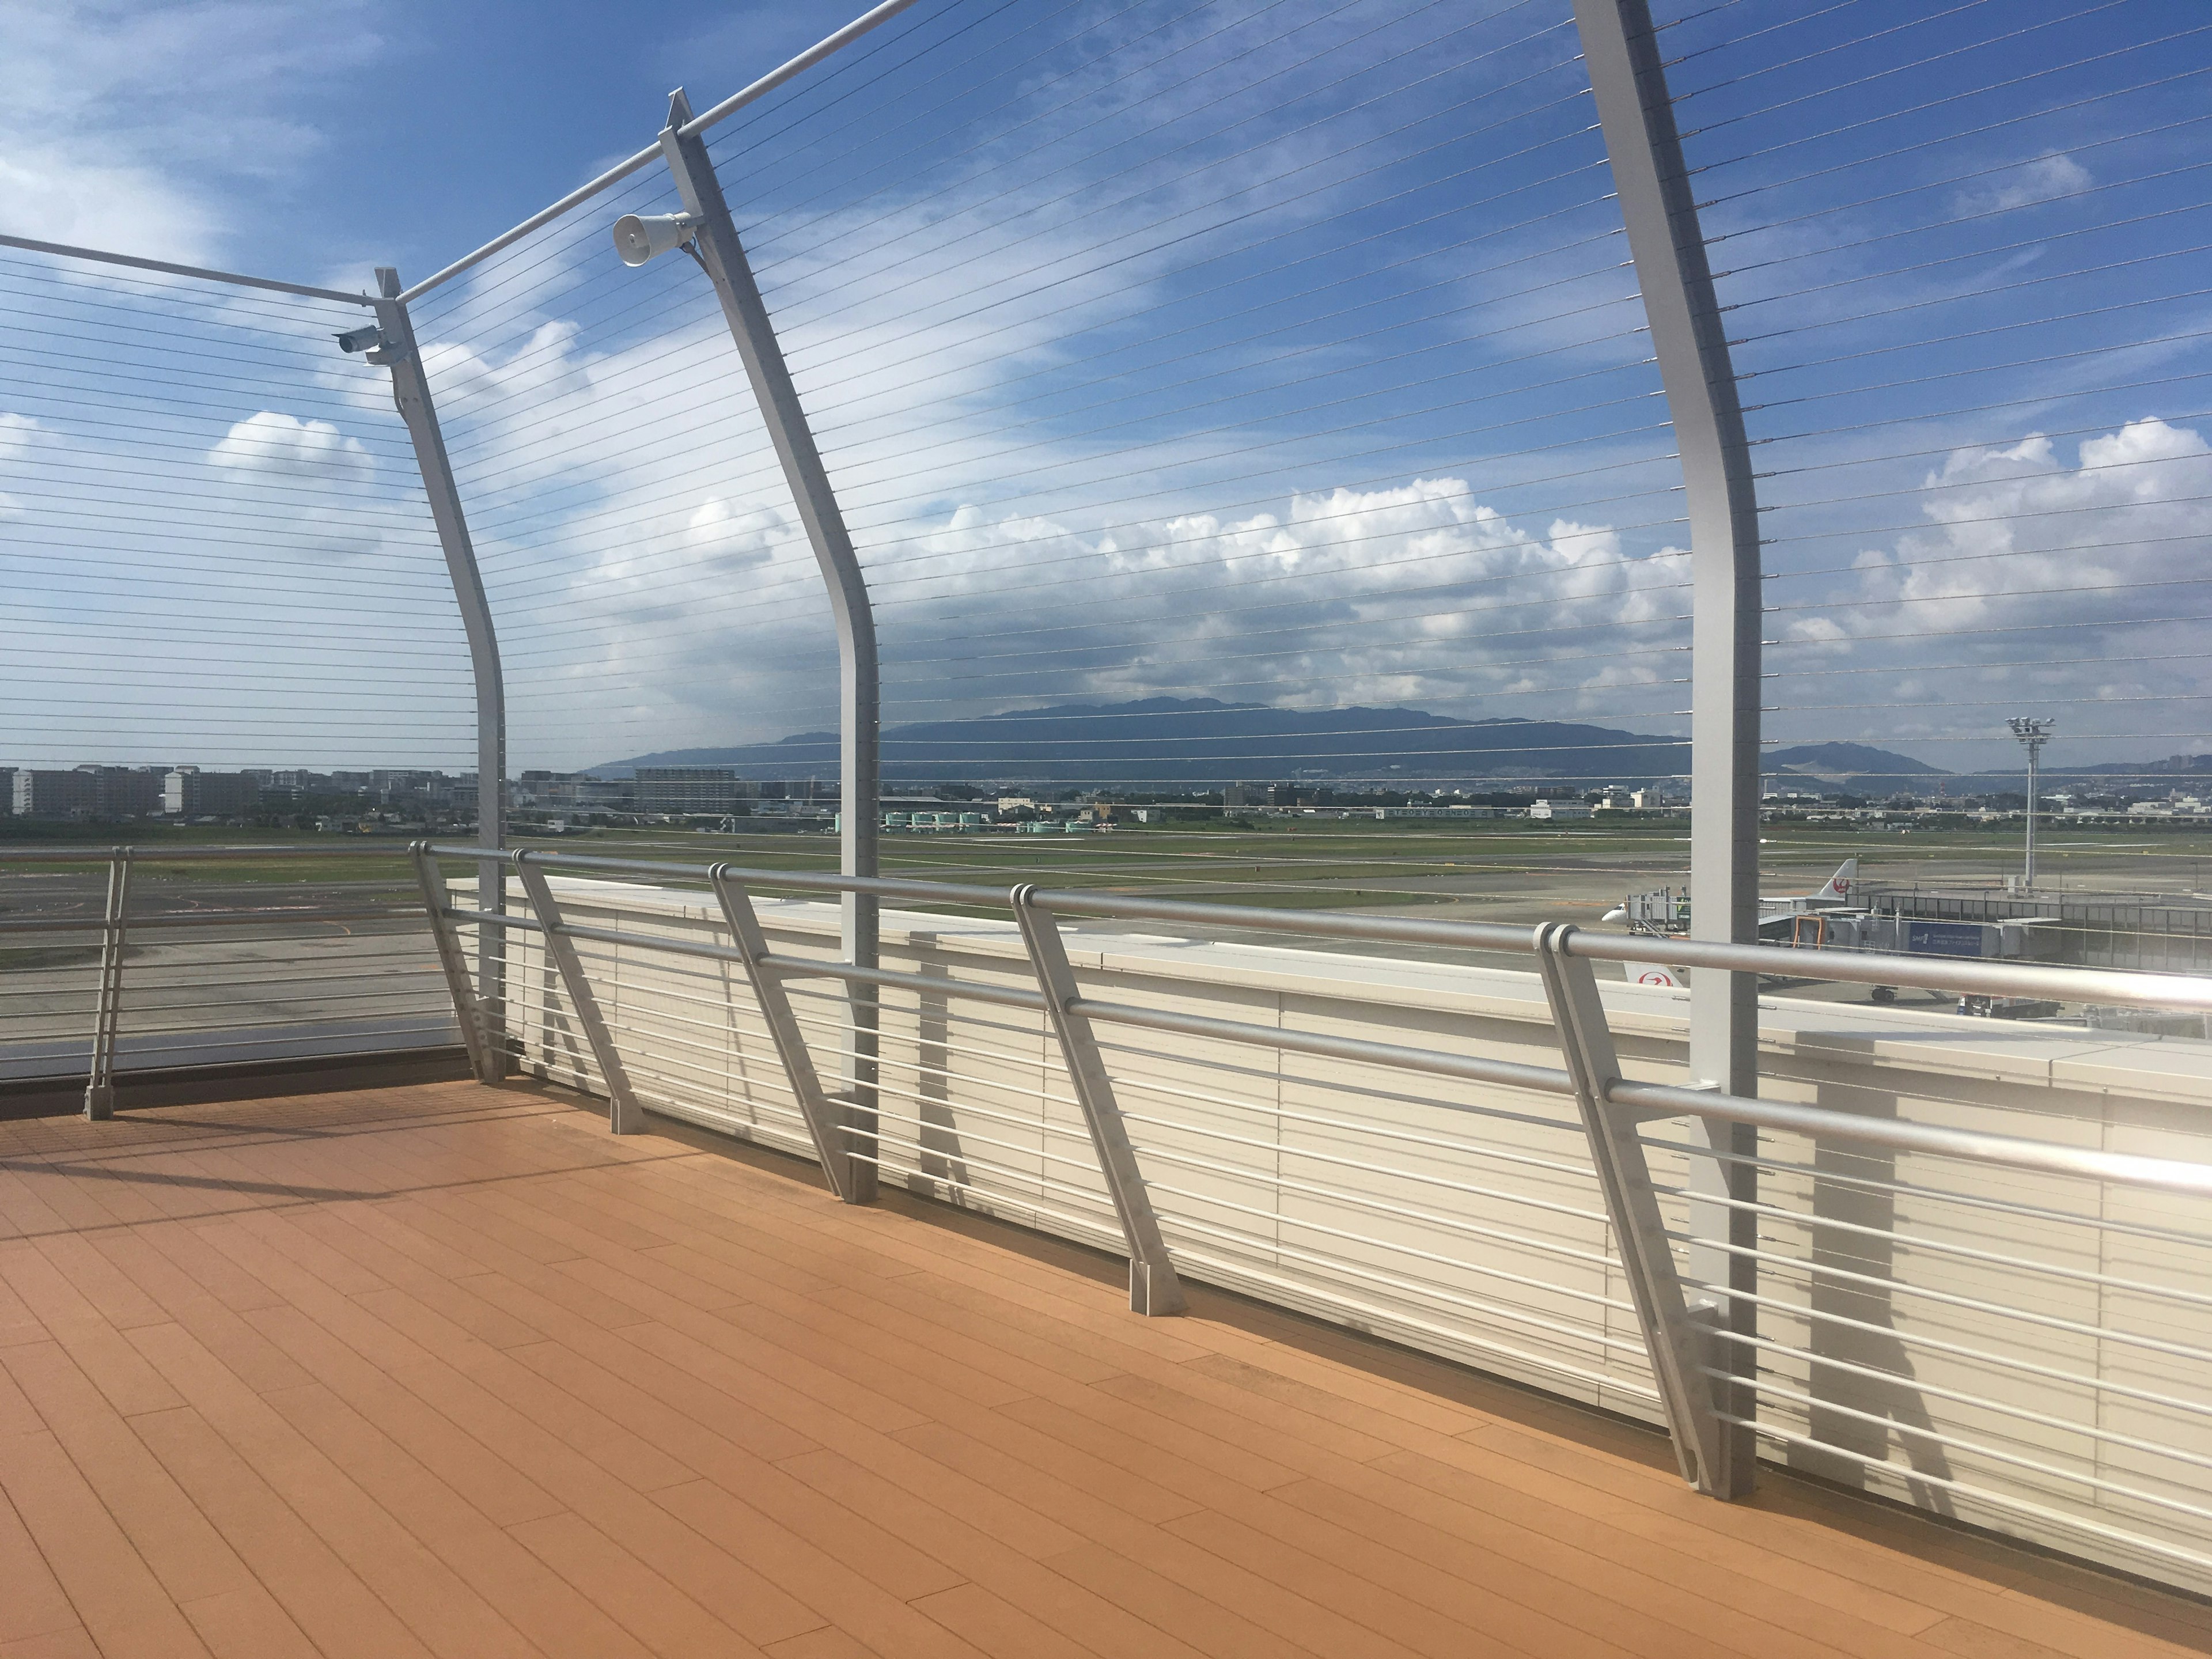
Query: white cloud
2040	180
126	125
2040	580
16	435
277	445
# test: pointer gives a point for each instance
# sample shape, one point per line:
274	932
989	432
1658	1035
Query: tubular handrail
102	854
2103	985
1681	1324
1979	1145
1657	1099
1652	1099
210	918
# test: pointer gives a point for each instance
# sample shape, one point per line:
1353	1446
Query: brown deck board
442	1369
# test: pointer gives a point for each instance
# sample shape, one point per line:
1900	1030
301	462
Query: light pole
2033	735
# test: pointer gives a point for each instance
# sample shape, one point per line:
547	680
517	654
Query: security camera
638	237
366	337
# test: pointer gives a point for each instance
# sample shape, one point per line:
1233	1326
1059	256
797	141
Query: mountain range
1199	743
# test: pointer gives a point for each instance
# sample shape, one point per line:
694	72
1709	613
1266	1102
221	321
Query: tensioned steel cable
1795	180
1883	74
1062	136
1212	162
1521	419
821	405
803	362
883	602
877	565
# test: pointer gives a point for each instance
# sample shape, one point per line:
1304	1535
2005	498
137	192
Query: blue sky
315	140
1278	350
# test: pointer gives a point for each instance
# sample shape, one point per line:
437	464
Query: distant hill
1852	761
2175	765
1199	743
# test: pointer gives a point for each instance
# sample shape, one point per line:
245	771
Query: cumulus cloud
2044	575
276	445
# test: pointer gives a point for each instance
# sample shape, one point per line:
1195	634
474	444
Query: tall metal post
860	716
1667	244
410	390
2033	735
100	1084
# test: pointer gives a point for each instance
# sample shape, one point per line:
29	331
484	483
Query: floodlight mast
2033	735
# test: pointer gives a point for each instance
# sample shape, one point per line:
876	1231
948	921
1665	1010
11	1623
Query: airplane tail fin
1840	886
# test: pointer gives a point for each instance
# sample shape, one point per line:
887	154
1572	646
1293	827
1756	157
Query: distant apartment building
574	791
86	792
189	793
679	789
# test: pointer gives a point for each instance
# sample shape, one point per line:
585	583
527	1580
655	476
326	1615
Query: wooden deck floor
447	1370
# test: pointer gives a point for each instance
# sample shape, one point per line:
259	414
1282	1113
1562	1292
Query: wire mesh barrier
1958	254
126	963
216	549
1050	416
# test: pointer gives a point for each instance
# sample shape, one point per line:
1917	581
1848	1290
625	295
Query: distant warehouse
1461	812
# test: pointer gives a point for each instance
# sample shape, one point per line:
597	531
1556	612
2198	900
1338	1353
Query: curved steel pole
1669	246
410	390
723	256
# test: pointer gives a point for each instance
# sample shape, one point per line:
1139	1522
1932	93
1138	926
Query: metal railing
1145	1126
112	973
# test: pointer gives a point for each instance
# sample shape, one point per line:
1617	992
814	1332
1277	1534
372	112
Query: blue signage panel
1944	939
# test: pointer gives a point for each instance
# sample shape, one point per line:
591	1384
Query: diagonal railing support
826	1119
624	1115
486	1063
1154	1287
1678	1336
100	1083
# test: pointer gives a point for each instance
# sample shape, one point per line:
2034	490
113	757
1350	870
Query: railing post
488	1065
1676	1334
410	390
1154	1287
624	1115
859	702
100	1084
1659	212
825	1120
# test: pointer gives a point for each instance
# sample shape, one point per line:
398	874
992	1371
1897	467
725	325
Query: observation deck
445	1368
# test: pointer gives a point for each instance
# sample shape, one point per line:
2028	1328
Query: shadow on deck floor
447	1370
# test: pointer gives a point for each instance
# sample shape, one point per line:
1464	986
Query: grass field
1505	871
